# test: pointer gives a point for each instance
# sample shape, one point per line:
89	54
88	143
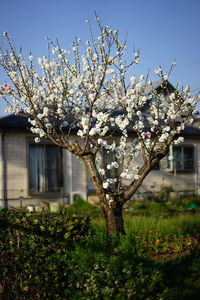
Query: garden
67	255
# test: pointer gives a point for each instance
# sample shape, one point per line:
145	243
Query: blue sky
162	30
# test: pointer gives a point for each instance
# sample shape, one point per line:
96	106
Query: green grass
161	229
163	239
158	259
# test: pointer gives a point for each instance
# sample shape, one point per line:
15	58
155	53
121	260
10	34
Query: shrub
81	205
35	253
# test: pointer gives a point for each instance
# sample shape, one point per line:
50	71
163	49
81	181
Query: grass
162	229
158	259
164	237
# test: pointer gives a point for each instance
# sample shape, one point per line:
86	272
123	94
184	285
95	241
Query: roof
158	85
191	131
14	122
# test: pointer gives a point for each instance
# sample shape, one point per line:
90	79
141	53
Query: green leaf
67	235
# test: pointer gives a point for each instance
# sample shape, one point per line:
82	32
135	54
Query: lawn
44	256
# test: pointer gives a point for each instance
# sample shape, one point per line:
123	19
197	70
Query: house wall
79	178
182	182
1	169
15	173
74	176
197	168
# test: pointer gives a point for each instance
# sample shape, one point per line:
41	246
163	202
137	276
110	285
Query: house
31	172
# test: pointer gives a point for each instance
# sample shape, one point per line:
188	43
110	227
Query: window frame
170	163
45	143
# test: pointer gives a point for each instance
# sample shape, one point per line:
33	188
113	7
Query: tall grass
156	217
167	226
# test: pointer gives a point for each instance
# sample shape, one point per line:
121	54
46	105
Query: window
181	158
156	167
107	159
44	168
104	159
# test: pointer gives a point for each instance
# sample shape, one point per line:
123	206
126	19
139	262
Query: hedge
35	251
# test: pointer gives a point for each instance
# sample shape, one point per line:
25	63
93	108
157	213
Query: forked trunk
114	219
112	211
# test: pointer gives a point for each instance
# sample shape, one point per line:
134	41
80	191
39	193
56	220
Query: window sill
180	171
45	194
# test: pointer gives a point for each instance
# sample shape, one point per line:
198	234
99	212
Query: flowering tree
115	120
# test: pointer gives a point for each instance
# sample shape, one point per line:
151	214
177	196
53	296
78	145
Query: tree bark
114	219
113	211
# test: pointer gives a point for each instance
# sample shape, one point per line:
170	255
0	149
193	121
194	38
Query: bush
35	252
81	205
163	195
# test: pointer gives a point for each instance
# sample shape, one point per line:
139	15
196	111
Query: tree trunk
113	210
114	219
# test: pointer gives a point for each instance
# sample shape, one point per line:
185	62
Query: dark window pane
44	168
183	158
106	159
178	159
156	167
37	169
188	158
53	168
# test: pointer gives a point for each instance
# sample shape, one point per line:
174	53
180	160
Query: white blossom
132	80
142	77
158	71
179	140
105	185
136	54
37	139
30	57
